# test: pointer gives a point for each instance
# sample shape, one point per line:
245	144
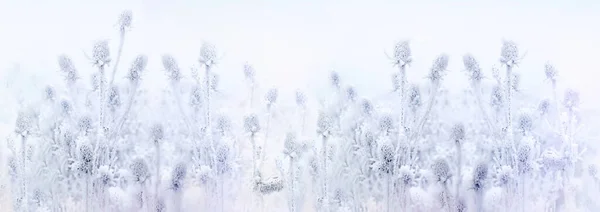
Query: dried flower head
196	99
171	67
139	170
49	93
178	176
525	122
208	54
441	170
68	69
479	176
472	66
138	66
544	106
402	53
458	132
386	123
324	124
65	107
125	20
551	72
249	72
251	123
351	93
85	124
571	99
523	157
114	98
407	175
222	159
439	68
334	78
366	107
510	53
414	97
87	157
290	145
271	97
157	132
223	123
300	99
387	158
25	122
101	53
497	97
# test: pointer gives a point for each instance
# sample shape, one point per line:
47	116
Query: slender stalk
24	173
119	51
324	155
388	195
292	182
156	196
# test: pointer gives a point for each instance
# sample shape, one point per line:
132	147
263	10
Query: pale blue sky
291	44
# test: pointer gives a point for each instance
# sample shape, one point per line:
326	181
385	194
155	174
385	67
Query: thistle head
223	123
49	93
438	69
222	159
101	53
251	123
271	97
386	123
114	97
525	122
87	157
571	99
138	66
458	132
351	94
544	106
387	157
402	53
300	99
249	72
196	99
85	124
407	176
509	55
497	97
25	122
472	66
324	124
139	170
441	170
414	97
178	176
125	20
289	144
157	132
65	107
523	157
171	67
208	54
334	79
366	107
479	176
68	69
551	72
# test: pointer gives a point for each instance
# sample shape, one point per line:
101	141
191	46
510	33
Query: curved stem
112	78
426	115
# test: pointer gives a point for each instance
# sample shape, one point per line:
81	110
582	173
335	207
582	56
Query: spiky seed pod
366	107
65	107
222	159
458	132
172	68
290	145
386	123
523	157
25	122
402	53
510	53
571	99
324	124
525	122
479	176
544	106
85	124
137	67
196	99
497	97
387	158
67	68
178	176
223	123
87	157
125	20
441	170
251	123
68	140
414	97
273	184
49	93
438	69
334	79
551	72
101	53
114	97
300	99
271	97
104	176
369	139
406	175
249	72
351	94
472	66
208	54
157	132
139	170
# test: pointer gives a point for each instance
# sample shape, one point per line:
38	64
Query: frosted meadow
97	139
